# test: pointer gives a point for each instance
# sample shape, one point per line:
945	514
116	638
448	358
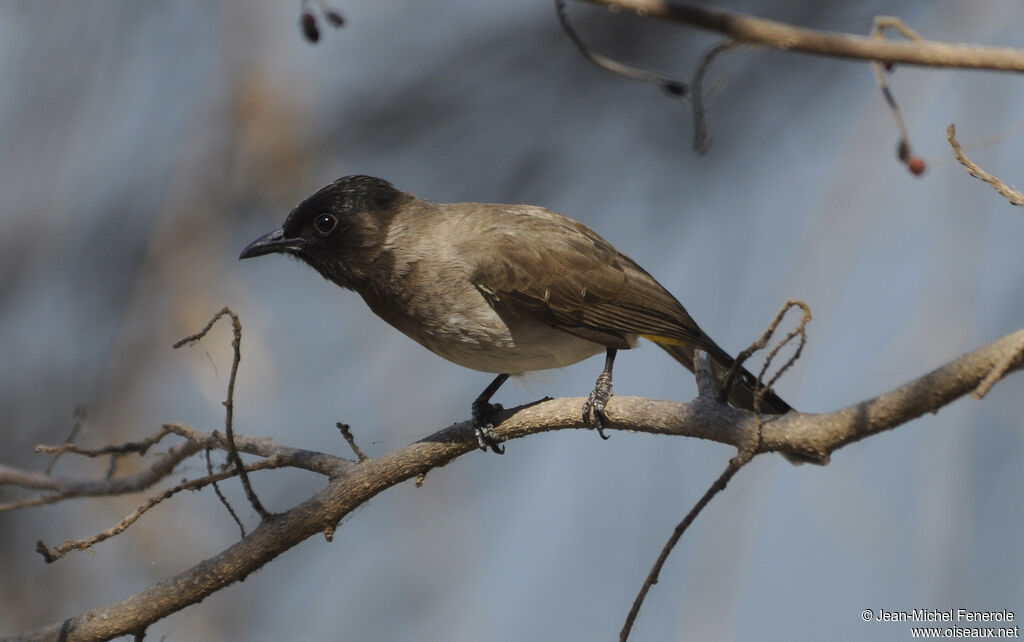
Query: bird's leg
483	414
600	395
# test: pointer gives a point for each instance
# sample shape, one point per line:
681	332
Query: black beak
271	243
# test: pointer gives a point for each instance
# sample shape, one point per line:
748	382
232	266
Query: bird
503	289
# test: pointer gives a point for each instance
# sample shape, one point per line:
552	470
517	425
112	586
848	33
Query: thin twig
671	86
79	416
28	502
800	330
1010	194
52	555
737	366
701	137
216	490
346	432
737	462
904	151
229	403
130	447
65	488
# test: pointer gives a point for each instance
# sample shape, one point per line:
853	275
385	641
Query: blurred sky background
143	145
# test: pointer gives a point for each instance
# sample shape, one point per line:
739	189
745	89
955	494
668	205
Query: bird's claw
483	427
599	396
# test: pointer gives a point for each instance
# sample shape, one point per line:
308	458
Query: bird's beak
274	242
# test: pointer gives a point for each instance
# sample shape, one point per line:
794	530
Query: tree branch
770	33
68	487
354	483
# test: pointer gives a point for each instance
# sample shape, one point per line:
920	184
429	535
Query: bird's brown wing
534	263
538	264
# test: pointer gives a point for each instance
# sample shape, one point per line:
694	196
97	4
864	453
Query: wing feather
537	264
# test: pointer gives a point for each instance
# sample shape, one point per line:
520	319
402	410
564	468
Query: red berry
916	165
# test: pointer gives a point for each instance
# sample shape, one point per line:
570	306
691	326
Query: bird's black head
338	231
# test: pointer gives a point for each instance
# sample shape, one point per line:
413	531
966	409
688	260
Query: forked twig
229	403
52	555
737	366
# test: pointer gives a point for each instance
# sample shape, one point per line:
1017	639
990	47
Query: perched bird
500	288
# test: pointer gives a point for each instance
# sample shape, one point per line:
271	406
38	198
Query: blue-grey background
142	145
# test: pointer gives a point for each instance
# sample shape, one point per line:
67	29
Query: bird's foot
599	396
483	426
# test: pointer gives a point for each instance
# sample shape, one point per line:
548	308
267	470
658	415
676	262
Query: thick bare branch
770	33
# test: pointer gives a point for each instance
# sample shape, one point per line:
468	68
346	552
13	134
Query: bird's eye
325	224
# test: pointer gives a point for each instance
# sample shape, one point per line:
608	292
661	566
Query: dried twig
1010	194
737	366
229	403
346	432
65	488
671	86
799	331
220	495
747	450
130	447
52	555
904	151
701	137
737	462
79	415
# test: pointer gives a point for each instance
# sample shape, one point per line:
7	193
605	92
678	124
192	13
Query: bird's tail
742	393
